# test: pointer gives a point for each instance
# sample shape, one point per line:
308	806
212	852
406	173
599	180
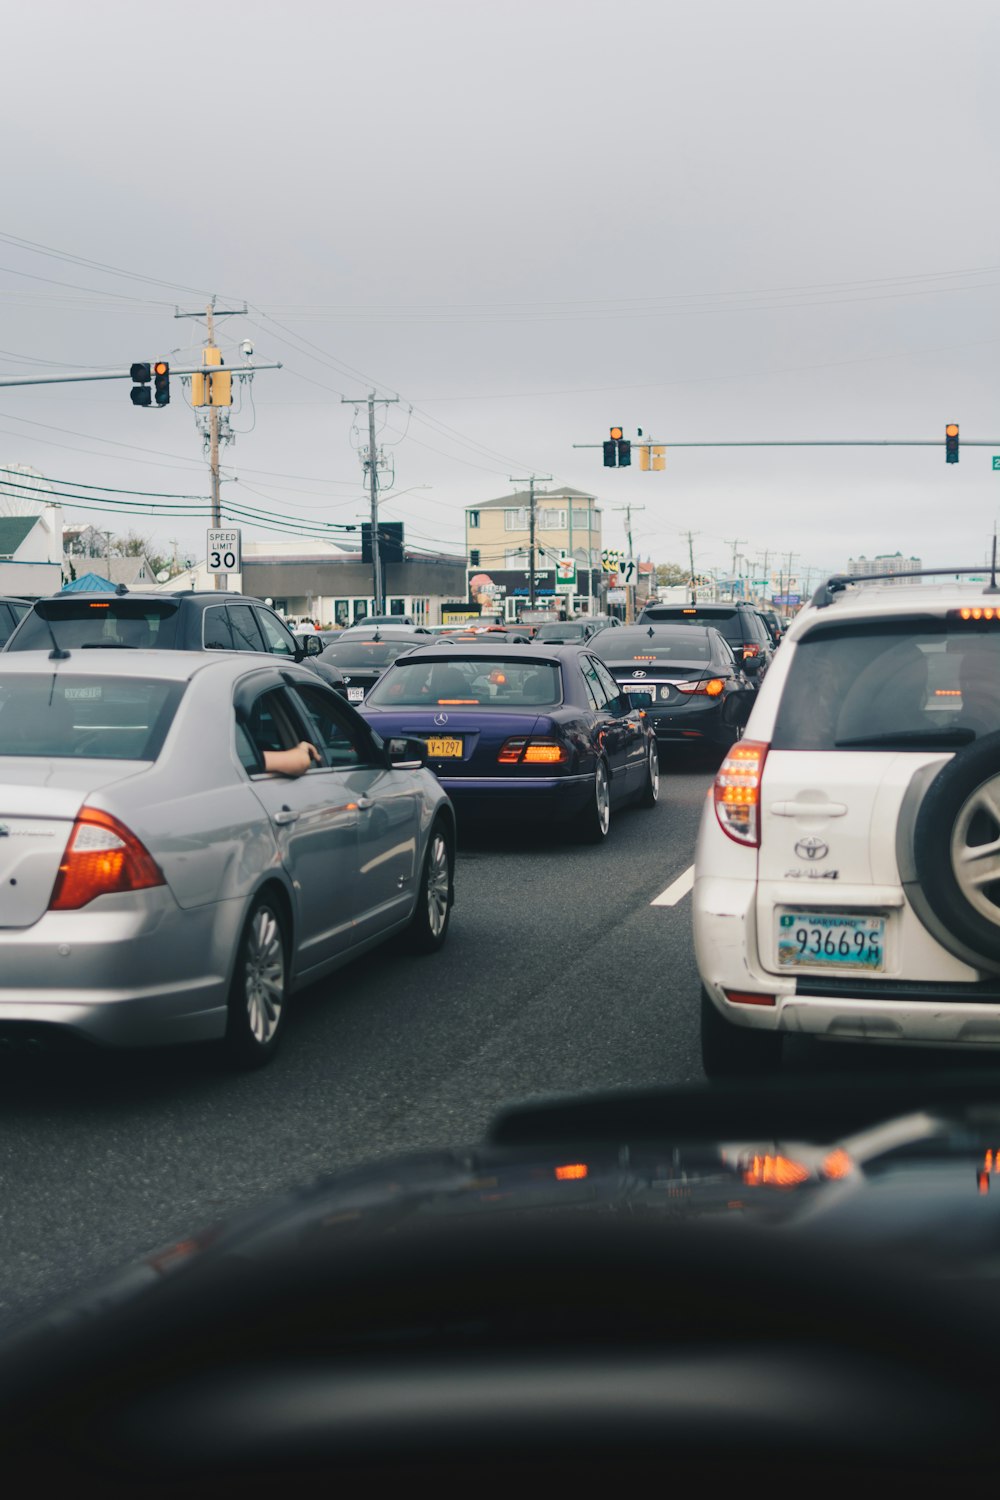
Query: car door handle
286	816
363	803
809	809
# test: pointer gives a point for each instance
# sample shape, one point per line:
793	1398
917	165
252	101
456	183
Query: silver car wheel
654	773
438	883
977	865
264	975
602	798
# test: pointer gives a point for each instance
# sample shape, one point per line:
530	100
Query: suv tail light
102	857
523	751
750	650
737	791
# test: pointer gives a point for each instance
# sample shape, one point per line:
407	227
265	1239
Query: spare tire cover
956	854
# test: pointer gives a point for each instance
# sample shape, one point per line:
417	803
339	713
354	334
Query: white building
884	566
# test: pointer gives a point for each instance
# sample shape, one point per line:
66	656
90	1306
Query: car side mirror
736	709
406	754
313	646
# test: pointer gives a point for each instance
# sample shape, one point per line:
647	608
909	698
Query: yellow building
567	525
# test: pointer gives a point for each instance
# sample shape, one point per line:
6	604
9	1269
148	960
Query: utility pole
535	479
736	545
694	592
210	315
371	465
630	588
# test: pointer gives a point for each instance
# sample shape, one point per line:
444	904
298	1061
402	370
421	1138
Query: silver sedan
158	883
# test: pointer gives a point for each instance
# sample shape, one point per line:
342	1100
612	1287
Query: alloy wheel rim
975	849
264	975
654	773
437	885
603	799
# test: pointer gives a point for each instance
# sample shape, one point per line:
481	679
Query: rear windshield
924	684
726	621
490	682
64	717
569	630
93	623
652	643
365	653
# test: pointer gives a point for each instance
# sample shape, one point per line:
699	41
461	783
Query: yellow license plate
445	749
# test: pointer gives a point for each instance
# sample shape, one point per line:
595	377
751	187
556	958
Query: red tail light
102	857
737	791
713	686
749	651
523	751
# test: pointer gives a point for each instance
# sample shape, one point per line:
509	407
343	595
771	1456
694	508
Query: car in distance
362	656
775	625
740	624
566	632
158	884
200	620
521	731
847	874
12	612
684	676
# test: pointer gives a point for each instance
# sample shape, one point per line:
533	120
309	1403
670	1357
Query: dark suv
194	621
12	611
739	624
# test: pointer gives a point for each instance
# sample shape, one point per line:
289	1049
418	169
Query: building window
473	518
515	520
552	520
473	557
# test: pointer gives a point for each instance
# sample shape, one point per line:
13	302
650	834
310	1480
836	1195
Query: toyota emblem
812	848
440	718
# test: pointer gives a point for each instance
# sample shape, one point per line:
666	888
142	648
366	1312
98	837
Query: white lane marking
677	891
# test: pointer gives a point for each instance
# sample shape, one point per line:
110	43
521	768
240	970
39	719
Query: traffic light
161	382
644	456
659	458
140	385
951	443
617	450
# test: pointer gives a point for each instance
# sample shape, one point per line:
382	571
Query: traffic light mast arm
822	443
241	370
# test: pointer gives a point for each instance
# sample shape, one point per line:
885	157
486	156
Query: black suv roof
740	623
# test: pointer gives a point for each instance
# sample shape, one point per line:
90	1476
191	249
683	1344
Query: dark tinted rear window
726	621
95	623
493	682
902	683
66	717
357	654
652	643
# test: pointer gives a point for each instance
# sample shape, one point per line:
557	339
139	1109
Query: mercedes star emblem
440	718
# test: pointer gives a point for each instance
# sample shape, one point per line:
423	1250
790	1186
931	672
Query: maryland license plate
444	748
831	940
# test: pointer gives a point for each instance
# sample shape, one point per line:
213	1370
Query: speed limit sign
222	552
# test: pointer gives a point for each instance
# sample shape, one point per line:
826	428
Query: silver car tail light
102	857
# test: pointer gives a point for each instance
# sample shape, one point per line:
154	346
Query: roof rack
827	592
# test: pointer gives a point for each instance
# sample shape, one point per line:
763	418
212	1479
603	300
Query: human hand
293	762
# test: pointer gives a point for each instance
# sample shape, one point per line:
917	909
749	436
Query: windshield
360	654
653	643
569	630
63	717
95	623
726	621
901	684
493	682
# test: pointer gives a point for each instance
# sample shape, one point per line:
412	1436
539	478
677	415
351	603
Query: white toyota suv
847	875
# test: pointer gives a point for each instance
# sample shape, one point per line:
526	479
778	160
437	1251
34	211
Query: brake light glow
736	792
100	605
751	650
713	686
978	612
522	751
102	858
572	1172
774	1171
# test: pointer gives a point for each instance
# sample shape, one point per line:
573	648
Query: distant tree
669	574
134	544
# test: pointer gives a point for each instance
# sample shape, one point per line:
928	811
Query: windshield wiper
919	739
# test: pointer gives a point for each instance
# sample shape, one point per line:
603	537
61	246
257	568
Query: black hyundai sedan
682	675
362	658
521	731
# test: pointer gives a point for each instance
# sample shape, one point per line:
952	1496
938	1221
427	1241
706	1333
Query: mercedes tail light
102	858
523	751
737	791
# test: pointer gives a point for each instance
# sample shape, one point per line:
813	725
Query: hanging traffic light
659	458
617	450
140	393
644	456
951	443
161	382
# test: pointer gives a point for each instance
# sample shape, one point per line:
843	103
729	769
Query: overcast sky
723	220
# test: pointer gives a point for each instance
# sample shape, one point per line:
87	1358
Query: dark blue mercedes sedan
522	732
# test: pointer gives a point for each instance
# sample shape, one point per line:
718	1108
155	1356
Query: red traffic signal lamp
161	382
140	376
951	443
617	450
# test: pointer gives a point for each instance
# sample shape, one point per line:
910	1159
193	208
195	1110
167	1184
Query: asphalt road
558	976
